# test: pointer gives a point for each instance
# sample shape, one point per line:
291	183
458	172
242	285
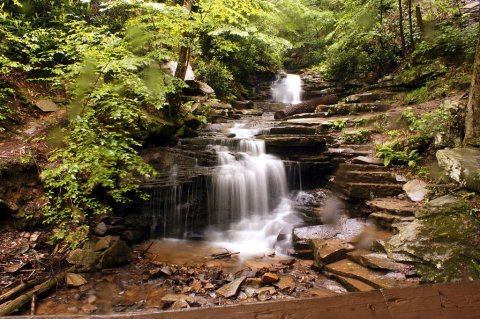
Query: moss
443	241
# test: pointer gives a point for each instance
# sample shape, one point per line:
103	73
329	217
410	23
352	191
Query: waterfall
252	209
287	88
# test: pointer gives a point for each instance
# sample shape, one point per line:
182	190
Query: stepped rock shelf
281	209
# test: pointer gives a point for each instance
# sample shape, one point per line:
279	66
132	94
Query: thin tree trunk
472	119
410	25
402	33
381	14
418	14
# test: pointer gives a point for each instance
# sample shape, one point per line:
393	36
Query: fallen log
307	106
11	306
12	293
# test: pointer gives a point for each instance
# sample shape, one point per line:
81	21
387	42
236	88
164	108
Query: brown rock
171	298
328	251
352	284
269	278
286	283
380	261
231	289
375	279
179	304
75	280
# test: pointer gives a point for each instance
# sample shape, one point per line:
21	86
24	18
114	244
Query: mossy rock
442	241
157	128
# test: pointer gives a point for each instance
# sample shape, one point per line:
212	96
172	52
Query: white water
287	89
251	194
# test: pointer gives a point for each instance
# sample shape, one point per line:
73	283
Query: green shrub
391	156
419	95
357	137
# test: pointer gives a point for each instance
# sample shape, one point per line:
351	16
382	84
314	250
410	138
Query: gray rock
46	105
462	165
416	190
231	289
367	160
74	280
85	259
115	255
100	229
441	241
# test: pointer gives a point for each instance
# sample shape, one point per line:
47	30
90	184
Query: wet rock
265	293
350	269
192	121
352	284
91	299
367	160
115	255
329	251
100	229
416	190
368	97
345	229
251	112
231	289
380	261
171	298
462	165
196	88
286	283
89	308
75	280
292	130
86	260
386	220
179	304
269	278
442	241
242	105
254	282
393	206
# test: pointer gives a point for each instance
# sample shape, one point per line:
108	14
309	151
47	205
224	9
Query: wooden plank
446	301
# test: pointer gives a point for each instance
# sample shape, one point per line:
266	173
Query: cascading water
251	197
287	88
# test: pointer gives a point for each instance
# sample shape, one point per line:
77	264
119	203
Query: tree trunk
410	25
418	14
472	120
381	14
402	33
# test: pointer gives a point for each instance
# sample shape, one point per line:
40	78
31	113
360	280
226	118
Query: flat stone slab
345	229
46	105
330	250
351	284
462	165
380	261
367	160
375	279
386	220
393	206
231	289
294	141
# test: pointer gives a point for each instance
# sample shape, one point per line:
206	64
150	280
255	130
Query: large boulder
462	165
306	107
442	241
97	254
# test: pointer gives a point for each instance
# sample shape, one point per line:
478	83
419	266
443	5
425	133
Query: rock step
379	261
350	284
376	279
361	167
386	220
294	141
393	206
369	97
352	108
368	177
292	130
355	191
345	153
